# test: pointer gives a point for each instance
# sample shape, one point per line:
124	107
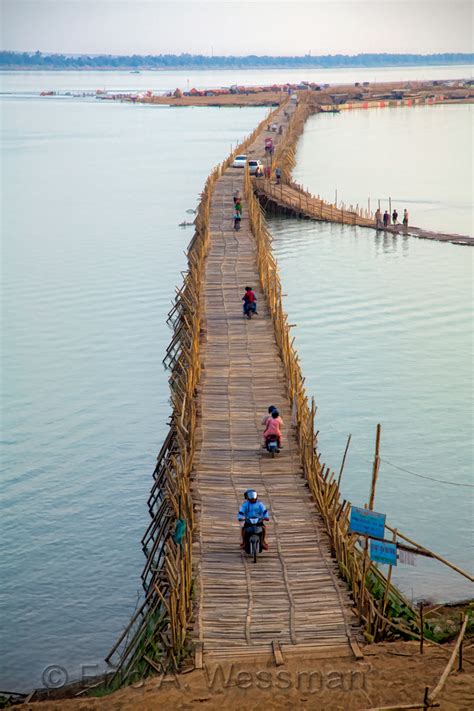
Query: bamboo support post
343	461
422	628
439	686
375	468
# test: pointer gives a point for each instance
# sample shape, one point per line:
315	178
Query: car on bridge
239	162
254	166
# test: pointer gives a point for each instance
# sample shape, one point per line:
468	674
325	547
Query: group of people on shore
385	220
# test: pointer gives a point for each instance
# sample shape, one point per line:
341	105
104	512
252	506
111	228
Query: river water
92	197
419	156
168	80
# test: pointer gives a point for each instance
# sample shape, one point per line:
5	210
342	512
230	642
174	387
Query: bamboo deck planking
291	596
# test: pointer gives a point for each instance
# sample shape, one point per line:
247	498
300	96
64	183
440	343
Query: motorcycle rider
252	508
273	427
267	417
250	301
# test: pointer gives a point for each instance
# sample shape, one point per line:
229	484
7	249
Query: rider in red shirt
250	300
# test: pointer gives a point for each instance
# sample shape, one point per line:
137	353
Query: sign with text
369	523
383	552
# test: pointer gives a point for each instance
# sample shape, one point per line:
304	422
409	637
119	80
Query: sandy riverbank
390	674
449	91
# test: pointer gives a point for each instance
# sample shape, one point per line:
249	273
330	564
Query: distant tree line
38	60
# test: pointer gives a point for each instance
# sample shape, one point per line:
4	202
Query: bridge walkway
292	596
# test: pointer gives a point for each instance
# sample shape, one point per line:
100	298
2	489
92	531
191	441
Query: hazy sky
229	27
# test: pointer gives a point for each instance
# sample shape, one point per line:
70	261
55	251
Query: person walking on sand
394	217
386	218
405	218
378	219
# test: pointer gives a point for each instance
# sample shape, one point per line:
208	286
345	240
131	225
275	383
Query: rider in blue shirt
252	508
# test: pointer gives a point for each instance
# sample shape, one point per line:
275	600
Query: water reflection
384	324
438	193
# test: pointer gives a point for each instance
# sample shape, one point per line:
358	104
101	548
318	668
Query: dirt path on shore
390	674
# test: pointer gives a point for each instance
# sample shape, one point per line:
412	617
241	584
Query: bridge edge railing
376	599
157	637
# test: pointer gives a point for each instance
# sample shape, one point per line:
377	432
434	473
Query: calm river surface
419	156
384	332
162	81
92	197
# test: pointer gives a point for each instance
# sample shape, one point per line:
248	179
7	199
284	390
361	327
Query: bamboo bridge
315	591
292	597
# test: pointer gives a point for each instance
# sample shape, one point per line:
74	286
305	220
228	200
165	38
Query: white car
254	165
239	162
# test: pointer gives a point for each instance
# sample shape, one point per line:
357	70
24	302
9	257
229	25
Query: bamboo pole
431	554
389	578
343	461
422	628
439	686
460	669
403	707
375	468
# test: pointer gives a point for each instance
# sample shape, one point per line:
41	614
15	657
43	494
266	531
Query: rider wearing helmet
252	508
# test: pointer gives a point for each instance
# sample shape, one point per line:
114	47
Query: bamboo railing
157	636
291	195
376	599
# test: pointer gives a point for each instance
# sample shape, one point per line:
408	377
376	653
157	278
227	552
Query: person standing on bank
386	218
405	218
394	217
378	218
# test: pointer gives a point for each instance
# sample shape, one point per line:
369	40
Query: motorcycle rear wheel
253	549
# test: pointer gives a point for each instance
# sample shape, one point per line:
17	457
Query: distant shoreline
18	61
39	68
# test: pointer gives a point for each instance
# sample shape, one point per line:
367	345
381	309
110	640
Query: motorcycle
253	535
271	445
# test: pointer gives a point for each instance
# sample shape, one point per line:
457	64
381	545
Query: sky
227	27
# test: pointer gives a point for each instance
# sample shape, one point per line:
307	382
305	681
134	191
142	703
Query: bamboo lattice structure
158	635
363	578
293	196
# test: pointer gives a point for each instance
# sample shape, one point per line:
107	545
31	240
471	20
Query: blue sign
369	523
383	552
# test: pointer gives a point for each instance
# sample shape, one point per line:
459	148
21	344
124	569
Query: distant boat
135	71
